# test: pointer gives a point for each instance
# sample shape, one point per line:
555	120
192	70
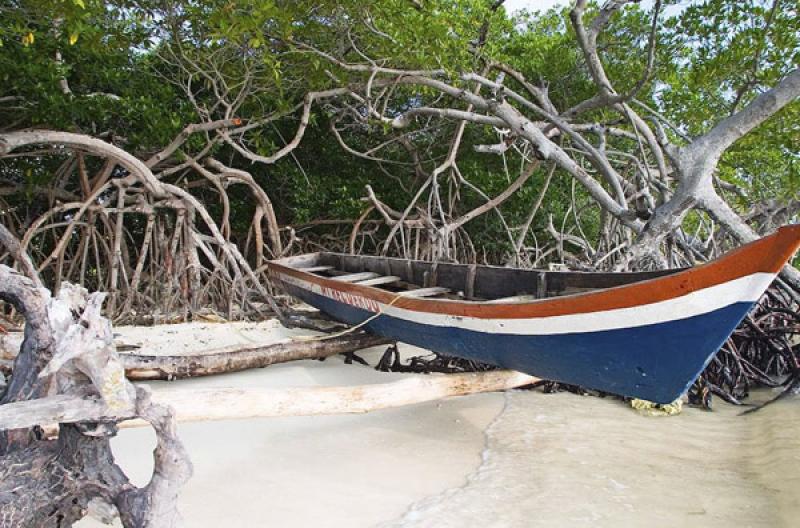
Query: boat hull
648	339
651	362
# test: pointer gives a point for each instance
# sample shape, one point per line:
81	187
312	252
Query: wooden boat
645	335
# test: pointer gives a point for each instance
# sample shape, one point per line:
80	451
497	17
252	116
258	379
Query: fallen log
139	367
193	405
145	368
230	403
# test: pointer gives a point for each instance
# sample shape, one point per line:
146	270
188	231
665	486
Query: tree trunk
193	405
140	367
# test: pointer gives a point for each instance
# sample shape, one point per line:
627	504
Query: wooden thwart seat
425	292
353	277
514	299
316	269
378	280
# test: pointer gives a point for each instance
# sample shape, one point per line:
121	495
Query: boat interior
465	282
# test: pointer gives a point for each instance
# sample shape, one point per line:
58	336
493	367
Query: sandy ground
492	460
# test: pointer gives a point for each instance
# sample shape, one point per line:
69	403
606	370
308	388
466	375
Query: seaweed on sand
431	362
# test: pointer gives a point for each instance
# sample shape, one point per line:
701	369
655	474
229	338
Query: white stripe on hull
744	289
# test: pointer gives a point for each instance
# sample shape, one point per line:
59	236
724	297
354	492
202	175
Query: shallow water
515	460
567	460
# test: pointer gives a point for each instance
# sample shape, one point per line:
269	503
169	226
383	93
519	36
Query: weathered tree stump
68	352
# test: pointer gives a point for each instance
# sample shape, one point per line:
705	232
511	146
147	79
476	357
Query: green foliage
721	55
117	58
104	82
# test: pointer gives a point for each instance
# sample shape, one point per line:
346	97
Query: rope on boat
352	328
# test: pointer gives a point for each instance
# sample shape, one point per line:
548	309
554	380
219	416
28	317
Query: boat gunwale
785	242
499	302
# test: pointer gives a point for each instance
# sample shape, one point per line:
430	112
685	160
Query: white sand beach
511	460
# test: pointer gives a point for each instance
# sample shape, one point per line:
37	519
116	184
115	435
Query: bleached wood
193	405
379	280
60	408
514	299
68	372
353	277
142	367
425	292
316	269
225	404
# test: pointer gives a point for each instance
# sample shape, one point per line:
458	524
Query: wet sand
492	460
566	460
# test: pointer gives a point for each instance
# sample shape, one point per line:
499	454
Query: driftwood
139	367
192	405
68	352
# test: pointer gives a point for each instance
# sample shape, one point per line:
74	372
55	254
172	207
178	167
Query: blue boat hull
651	362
